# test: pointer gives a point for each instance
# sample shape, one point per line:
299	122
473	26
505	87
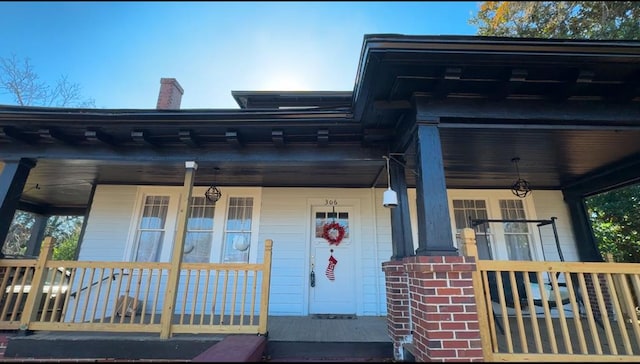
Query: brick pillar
398	309
443	308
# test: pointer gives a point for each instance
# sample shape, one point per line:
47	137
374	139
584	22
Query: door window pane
323	218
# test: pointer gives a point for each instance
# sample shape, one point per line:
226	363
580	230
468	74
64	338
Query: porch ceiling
568	109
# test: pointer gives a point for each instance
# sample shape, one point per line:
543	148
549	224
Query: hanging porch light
213	194
520	187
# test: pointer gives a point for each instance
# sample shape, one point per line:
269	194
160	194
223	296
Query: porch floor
290	338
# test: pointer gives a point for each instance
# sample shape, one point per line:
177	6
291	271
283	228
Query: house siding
551	204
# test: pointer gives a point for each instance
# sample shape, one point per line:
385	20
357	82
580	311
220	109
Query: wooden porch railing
556	311
128	296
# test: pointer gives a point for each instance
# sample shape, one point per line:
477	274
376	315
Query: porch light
390	197
520	187
213	194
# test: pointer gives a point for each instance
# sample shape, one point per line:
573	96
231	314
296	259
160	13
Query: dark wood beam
392	105
232	138
142	137
188	138
177	154
12	180
277	136
95	136
55	136
573	112
12	134
323	137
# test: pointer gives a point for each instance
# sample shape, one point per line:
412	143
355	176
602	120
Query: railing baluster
67	297
560	308
595	334
233	298
533	314
59	295
503	308
244	296
224	296
108	297
518	309
214	298
185	287
254	294
492	319
95	304
117	295
86	302
145	298
194	301
155	298
547	313
577	318
628	301
204	295
618	314
78	294
18	300
604	314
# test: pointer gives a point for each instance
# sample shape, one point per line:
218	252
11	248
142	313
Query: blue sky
118	51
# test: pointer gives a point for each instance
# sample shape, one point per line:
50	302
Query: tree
615	218
615	215
19	79
559	19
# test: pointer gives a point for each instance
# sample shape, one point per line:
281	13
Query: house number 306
331	202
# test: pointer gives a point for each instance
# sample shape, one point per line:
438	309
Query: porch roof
569	109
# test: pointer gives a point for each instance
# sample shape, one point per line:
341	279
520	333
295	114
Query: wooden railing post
469	247
176	256
34	298
266	284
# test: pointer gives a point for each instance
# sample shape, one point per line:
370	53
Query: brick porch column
443	308
398	309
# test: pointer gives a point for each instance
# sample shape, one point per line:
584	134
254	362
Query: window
516	234
341	218
238	230
197	244
151	229
466	210
226	231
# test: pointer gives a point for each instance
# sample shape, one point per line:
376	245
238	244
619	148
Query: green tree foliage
615	218
66	249
559	19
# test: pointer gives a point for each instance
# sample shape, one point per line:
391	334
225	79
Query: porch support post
37	234
401	237
434	224
12	180
587	247
176	254
398	308
443	308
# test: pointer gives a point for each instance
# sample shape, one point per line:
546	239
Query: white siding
107	230
551	204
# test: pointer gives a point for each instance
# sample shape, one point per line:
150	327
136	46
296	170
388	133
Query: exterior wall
285	217
551	204
107	230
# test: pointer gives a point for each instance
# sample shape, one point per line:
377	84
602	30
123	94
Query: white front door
334	289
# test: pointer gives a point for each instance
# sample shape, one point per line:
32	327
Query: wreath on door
333	233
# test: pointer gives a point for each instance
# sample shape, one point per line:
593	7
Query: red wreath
331	236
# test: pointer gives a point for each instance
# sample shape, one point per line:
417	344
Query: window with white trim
222	232
516	234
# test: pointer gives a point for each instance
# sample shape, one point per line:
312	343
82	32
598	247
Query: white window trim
220	219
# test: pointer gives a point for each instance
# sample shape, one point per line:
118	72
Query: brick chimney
170	94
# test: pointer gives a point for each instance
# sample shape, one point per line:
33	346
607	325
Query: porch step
297	351
235	349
